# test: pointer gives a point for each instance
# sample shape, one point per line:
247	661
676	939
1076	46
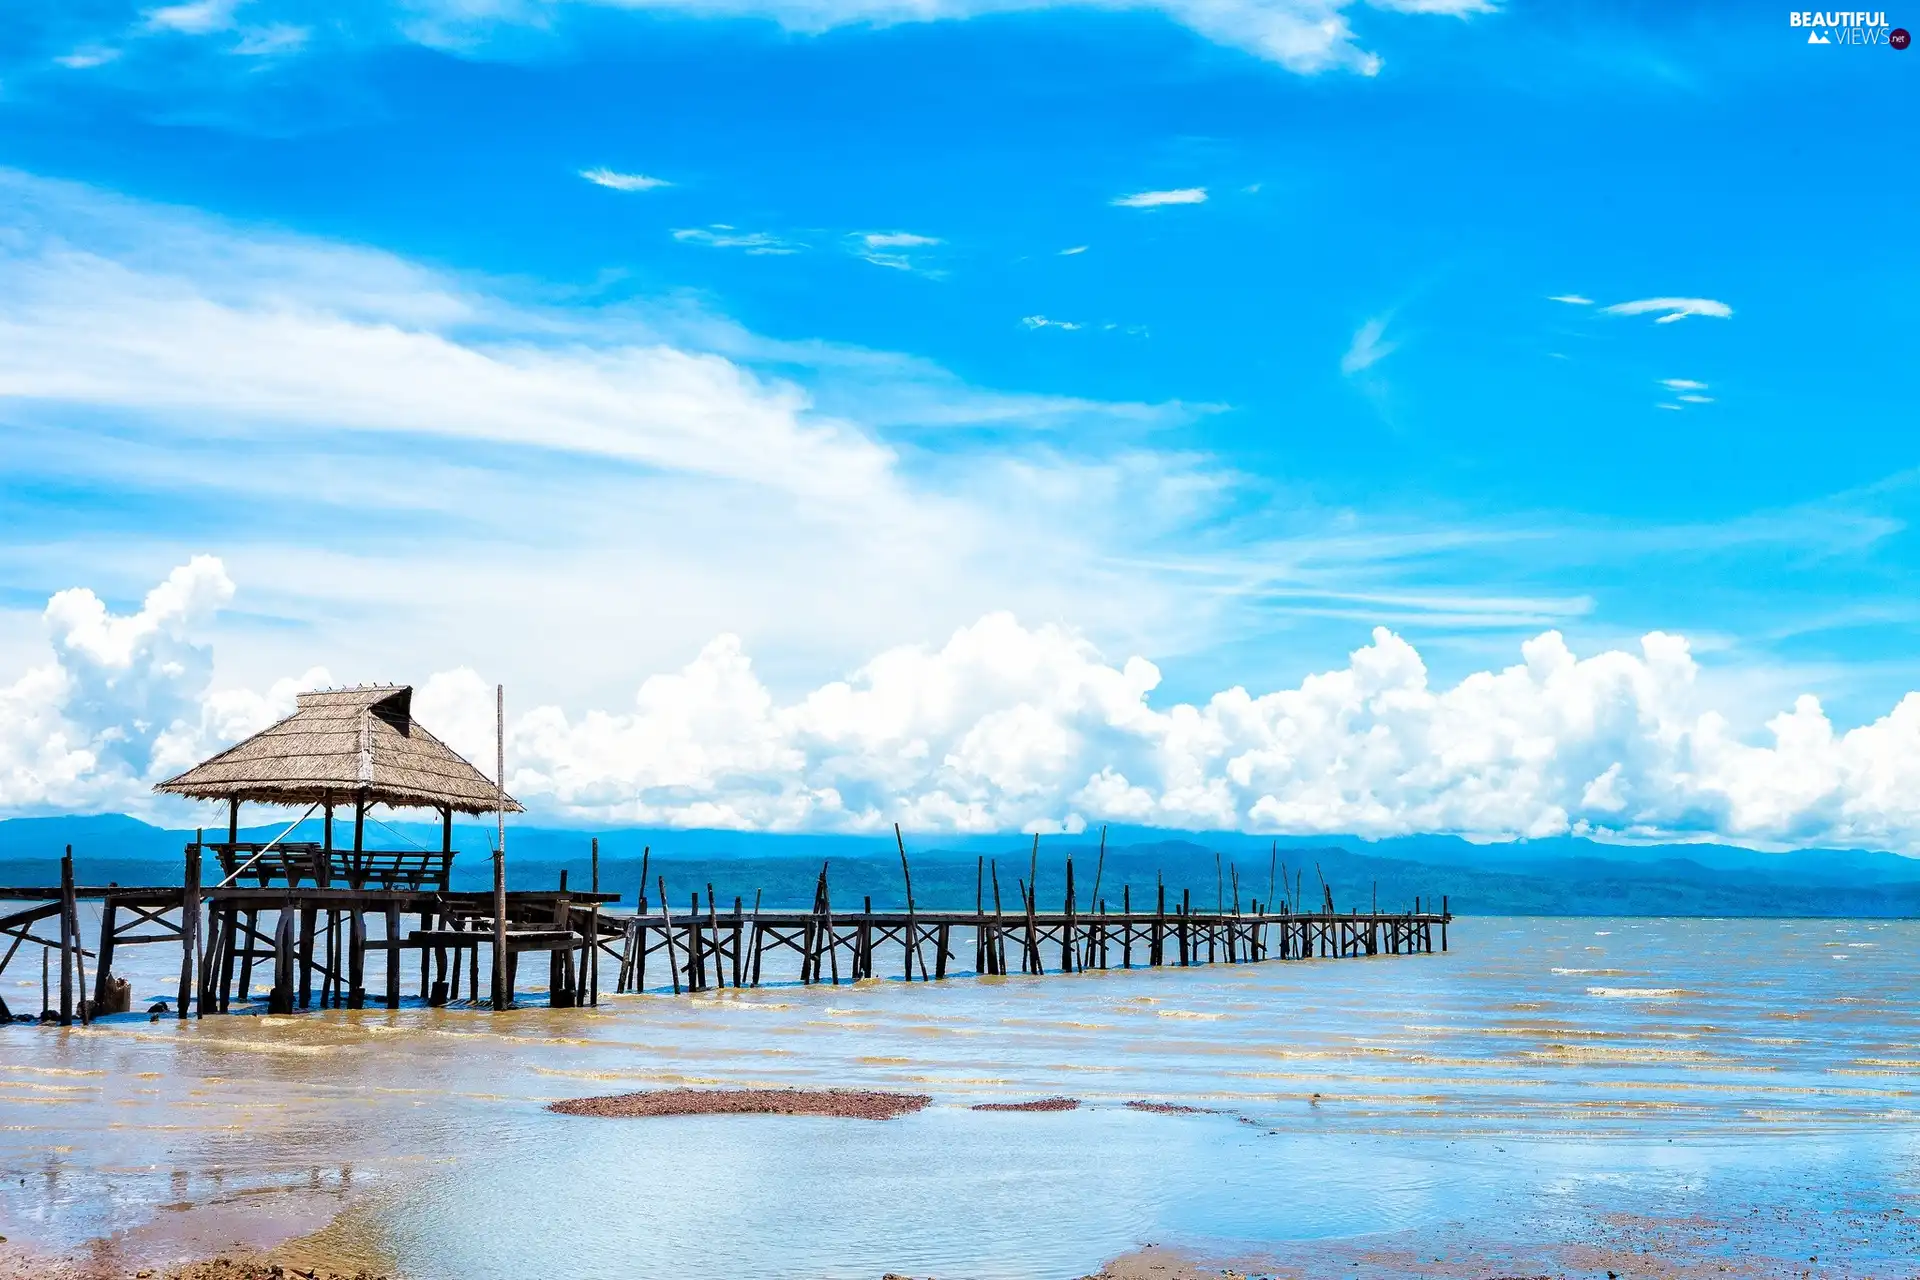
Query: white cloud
87	57
1572	299
1682	384
722	236
199	18
1672	308
1368	347
1157	199
604	177
1694	399
1007	727
1305	36
1068	253
896	240
892	249
405	443
1041	322
272	41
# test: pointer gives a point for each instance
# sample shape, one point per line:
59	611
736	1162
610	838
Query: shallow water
1543	1069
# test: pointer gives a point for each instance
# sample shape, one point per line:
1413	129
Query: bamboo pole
500	997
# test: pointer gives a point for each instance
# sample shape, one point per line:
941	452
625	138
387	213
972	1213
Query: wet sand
846	1104
290	1235
1746	1244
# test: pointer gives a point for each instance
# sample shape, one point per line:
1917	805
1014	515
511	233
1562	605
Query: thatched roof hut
359	747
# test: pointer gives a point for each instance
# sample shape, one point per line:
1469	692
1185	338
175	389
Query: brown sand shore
846	1104
282	1236
1038	1104
1745	1244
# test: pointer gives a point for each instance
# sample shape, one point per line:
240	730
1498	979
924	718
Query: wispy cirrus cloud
1682	384
1036	323
721	235
1076	249
1571	299
1671	309
1369	347
616	181
1307	37
1160	199
897	250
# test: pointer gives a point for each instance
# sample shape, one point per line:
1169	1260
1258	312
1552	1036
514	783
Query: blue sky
1232	434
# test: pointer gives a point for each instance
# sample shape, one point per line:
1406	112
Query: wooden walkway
297	928
701	950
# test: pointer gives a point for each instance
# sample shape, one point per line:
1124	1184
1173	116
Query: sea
1746	1089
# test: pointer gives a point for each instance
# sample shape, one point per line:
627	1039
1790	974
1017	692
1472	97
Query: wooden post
593	932
999	951
501	998
826	919
230	937
1066	931
189	923
913	931
980	913
1157	944
252	928
393	955
103	971
739	950
1126	934
280	999
357	960
66	938
666	928
754	932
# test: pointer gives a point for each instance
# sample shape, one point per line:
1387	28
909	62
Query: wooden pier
292	945
300	920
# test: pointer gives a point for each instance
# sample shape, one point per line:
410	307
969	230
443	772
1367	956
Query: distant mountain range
1559	876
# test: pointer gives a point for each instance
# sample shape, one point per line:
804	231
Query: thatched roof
340	744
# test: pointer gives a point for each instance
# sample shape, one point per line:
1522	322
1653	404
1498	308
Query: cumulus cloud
119	687
1368	347
1157	199
603	177
1006	727
1671	309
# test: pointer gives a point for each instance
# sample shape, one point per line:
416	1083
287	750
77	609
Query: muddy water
1544	1076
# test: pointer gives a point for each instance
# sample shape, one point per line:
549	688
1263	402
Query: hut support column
189	925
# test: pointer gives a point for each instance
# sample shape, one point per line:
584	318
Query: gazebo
342	748
351	749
